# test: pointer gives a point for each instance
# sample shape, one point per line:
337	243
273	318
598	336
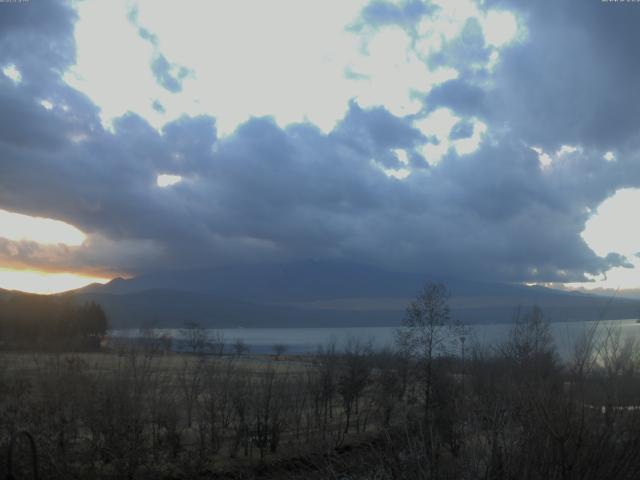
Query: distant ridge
322	293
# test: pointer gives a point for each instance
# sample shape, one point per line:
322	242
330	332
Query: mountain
300	281
322	293
633	293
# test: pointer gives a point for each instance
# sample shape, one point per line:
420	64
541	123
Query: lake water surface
307	340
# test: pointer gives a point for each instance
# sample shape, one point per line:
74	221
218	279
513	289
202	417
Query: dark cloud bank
272	194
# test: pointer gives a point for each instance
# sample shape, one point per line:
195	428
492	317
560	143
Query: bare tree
279	349
530	346
389	383
240	347
354	377
190	380
217	343
324	385
150	340
195	337
427	331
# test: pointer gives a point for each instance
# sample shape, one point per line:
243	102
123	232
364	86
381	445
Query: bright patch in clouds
547	160
465	146
18	227
544	158
499	28
34	281
566	149
46	104
402	156
295	60
397	173
284	58
10	71
168	180
614	229
116	82
439	124
446	23
392	72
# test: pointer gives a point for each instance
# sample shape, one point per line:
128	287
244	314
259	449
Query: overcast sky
492	140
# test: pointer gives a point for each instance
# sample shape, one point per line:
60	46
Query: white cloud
547	160
465	146
165	180
402	156
10	71
566	149
397	173
499	28
543	157
439	124
46	104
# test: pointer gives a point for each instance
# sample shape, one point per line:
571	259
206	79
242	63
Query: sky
494	140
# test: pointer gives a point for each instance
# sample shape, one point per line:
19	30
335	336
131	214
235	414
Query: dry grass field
513	411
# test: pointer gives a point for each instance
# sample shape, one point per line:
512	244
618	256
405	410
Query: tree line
50	322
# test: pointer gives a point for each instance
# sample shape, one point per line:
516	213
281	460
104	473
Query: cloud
383	13
459	95
33	31
466	52
462	129
170	76
567	81
268	191
376	132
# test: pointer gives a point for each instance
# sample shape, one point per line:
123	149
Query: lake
306	340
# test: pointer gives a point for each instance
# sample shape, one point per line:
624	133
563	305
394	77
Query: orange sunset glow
35	281
16	227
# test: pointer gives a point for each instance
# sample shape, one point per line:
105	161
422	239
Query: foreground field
513	411
140	414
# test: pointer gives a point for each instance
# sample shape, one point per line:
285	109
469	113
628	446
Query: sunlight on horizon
17	227
35	281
